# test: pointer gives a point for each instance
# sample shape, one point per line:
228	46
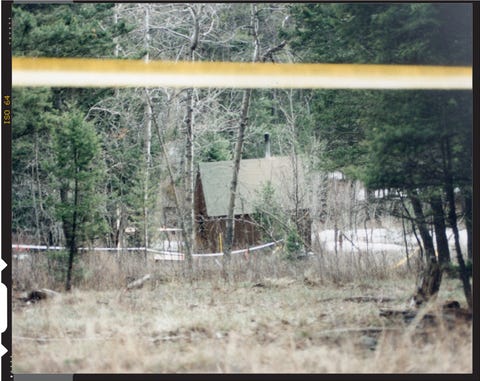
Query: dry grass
276	316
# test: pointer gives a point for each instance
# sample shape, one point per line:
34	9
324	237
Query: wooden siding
209	229
246	233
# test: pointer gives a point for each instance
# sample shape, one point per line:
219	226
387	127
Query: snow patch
378	240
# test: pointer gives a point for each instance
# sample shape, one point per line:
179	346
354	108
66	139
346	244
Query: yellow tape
402	261
86	72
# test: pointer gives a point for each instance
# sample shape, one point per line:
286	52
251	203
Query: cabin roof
254	175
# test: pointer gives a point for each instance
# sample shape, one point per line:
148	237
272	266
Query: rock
451	305
309	283
454	314
368	342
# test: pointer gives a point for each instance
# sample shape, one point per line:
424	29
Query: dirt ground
273	325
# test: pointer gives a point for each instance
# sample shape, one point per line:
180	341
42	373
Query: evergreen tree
78	174
31	152
51	30
409	141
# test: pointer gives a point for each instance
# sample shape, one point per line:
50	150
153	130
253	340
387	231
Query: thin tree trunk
452	220
440	230
116	50
230	229
148	138
41	211
423	228
467	212
300	218
118	224
229	234
414	230
35	208
405	242
463	273
119	209
186	238
452	215
189	146
73	233
431	277
146	180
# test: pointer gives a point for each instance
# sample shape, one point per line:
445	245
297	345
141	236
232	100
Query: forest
117	167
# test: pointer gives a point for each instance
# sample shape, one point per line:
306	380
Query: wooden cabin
212	194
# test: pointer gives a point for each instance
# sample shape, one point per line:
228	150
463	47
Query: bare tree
238	151
148	134
195	10
172	181
431	278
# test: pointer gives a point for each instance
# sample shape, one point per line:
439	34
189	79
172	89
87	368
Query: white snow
378	240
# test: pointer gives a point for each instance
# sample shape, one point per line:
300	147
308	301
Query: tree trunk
189	181
407	254
116	51
431	278
35	208
42	232
440	230
463	273
119	210
189	146
148	138
300	217
229	234
467	212
452	220
72	243
186	239
414	230
230	229
146	180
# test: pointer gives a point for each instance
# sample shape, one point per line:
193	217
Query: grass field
275	316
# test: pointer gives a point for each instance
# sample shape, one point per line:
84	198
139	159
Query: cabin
282	175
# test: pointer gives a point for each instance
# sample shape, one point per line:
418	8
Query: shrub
57	266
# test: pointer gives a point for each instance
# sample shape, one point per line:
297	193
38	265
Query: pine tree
79	173
409	141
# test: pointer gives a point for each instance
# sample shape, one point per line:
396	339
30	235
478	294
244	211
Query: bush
57	263
453	270
293	244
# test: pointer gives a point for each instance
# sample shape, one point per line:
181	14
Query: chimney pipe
267	145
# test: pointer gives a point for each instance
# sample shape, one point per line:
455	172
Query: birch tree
257	55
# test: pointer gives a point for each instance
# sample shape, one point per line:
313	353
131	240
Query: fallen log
136	284
450	313
37	295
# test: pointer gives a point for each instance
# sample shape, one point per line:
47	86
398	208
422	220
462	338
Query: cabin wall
246	233
210	230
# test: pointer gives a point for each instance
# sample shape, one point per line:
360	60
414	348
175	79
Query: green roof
253	177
